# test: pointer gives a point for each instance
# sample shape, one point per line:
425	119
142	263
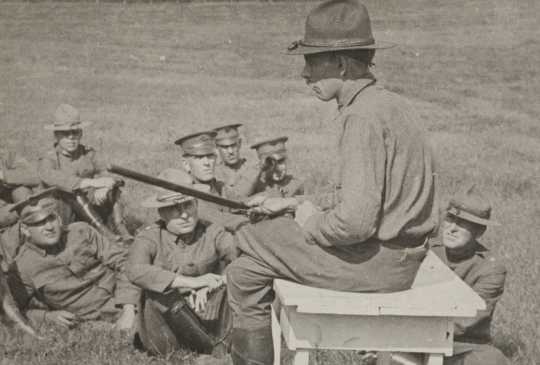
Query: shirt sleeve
111	254
490	287
355	218
140	269
226	247
52	176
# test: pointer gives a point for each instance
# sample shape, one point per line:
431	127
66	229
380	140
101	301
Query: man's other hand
62	318
305	210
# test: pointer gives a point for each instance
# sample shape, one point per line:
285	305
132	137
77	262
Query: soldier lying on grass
72	273
178	262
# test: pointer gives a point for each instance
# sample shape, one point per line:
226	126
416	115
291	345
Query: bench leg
434	359
301	357
276	337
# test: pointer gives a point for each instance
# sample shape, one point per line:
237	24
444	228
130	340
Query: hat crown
472	202
66	114
338	23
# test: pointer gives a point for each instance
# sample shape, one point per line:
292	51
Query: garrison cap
198	144
36	207
273	147
166	198
471	206
227	135
66	118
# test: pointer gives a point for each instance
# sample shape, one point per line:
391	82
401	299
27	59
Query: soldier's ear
185	164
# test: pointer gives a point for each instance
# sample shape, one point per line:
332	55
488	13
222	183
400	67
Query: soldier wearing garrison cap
274	181
388	200
467	217
73	271
199	161
238	174
76	169
180	252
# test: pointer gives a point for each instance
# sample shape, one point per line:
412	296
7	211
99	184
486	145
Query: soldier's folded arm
490	287
354	219
52	176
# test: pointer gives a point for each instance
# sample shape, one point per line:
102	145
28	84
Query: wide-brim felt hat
471	206
166	198
337	25
67	118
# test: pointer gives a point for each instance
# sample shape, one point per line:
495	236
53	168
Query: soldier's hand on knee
100	195
213	281
62	318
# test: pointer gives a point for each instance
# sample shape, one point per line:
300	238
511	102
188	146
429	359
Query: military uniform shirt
386	173
288	187
67	171
486	276
84	275
157	256
239	180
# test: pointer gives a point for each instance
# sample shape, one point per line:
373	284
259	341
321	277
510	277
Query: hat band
337	43
173	197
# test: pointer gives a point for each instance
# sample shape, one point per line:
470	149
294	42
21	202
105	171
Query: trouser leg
480	355
249	284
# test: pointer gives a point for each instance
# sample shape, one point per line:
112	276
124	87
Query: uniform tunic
486	276
372	240
289	186
156	258
239	180
65	171
82	275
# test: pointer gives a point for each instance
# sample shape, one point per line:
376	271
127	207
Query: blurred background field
146	74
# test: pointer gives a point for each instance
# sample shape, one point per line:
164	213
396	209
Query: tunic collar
351	88
71	156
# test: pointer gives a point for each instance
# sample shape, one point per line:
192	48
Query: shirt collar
71	156
351	88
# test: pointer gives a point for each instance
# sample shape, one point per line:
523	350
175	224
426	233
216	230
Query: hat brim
474	219
52	127
153	202
302	49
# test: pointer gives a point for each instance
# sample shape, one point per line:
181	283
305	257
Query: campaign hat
336	25
36	207
227	134
67	118
198	144
471	206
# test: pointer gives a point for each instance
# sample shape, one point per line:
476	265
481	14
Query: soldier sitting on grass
178	262
72	273
467	217
76	169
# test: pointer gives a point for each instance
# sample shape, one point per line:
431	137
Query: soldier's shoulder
489	263
150	232
211	229
49	155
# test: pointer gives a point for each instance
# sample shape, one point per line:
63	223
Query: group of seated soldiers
71	257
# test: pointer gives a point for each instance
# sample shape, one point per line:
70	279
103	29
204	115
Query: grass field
149	73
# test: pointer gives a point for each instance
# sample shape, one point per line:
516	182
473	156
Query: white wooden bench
418	320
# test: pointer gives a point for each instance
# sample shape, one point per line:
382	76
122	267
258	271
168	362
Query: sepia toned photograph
295	182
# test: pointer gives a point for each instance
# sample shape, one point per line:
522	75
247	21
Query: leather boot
252	347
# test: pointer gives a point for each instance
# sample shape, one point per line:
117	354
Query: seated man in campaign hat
18	178
467	218
77	170
239	175
374	238
178	262
72	271
199	157
273	179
